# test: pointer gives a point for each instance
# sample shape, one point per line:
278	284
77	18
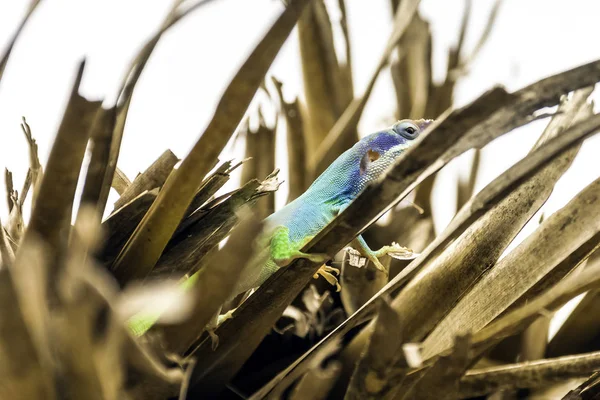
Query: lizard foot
396	251
214	323
326	272
283	252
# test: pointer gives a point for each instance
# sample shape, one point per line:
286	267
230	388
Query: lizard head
365	162
379	150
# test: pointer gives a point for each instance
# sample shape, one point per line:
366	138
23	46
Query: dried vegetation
434	329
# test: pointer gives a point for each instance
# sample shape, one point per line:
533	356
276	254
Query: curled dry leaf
318	316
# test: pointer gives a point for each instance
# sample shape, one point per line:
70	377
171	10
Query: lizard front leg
394	250
366	251
283	251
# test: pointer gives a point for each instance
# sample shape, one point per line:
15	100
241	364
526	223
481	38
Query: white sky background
193	63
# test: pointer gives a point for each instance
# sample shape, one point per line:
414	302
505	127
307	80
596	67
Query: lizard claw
326	272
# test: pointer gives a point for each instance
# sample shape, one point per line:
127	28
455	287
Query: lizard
286	231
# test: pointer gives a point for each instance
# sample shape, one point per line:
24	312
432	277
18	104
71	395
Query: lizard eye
407	129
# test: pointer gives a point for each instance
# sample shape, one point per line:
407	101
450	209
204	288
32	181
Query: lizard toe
326	272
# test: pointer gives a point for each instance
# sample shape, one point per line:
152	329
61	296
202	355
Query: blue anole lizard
287	230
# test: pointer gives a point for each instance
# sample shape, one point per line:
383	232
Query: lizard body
287	230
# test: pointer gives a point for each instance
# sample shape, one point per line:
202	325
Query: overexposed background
194	61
